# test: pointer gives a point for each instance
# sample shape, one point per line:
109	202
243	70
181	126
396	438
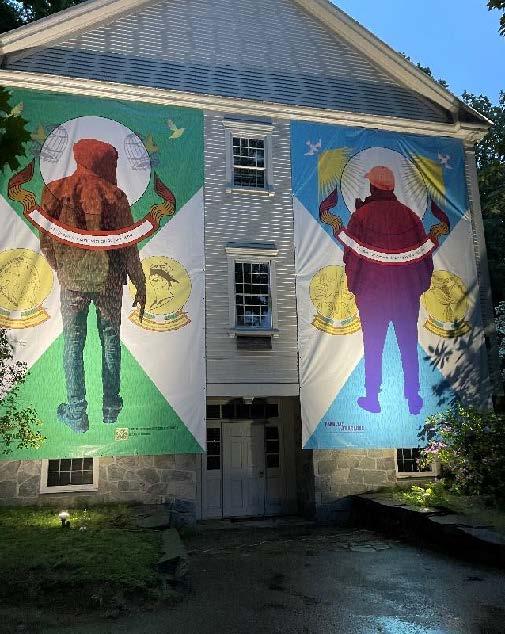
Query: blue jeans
74	310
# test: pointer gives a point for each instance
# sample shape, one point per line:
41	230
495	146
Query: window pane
87	477
53	465
213	411
272	433
272	446
272	461
213	433
76	464
53	479
76	477
213	463
65	465
272	411
228	410
258	410
87	464
64	478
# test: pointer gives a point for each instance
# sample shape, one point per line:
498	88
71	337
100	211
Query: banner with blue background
390	329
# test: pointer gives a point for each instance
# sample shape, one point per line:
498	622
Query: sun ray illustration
432	174
329	168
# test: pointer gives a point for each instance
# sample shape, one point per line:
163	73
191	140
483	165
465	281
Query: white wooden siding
248	217
269	50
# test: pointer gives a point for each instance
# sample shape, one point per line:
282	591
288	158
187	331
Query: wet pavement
321	580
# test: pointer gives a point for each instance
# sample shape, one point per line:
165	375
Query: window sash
251	313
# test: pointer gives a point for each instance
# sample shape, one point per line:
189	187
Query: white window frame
402	475
249	130
69	488
254	253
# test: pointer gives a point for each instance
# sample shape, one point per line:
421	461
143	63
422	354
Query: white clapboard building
253	67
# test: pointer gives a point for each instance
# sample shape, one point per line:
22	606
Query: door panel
243	469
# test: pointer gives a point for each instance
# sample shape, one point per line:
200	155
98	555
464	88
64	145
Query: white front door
243	469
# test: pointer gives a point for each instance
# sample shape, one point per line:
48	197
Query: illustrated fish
176	132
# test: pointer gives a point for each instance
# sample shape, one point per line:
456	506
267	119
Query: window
248	156
272	447
237	409
407	464
213	448
252	293
248	162
69	474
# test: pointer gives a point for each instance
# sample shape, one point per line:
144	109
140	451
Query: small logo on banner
121	433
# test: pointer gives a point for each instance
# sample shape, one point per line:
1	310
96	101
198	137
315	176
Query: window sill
253	332
77	488
250	190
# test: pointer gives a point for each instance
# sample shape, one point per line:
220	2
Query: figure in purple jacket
388	264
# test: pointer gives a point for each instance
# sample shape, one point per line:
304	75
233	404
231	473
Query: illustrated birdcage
55	145
136	153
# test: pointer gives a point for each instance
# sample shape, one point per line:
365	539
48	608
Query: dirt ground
315	580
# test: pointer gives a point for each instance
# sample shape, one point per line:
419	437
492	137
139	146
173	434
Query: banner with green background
102	275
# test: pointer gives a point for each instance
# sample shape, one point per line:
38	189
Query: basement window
69	474
407	465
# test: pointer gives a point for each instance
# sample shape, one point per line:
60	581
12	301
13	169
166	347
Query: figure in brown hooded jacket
90	199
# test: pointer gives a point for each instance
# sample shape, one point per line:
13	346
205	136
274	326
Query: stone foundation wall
168	479
343	472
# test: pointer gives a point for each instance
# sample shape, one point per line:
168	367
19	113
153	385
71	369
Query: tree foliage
500	5
13	134
18	427
14	14
470	445
490	155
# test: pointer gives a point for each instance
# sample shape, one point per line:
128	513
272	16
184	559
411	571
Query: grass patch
100	560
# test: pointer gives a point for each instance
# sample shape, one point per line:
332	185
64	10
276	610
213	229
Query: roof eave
64	24
375	49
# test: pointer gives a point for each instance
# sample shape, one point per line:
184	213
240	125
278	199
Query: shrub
433	495
470	446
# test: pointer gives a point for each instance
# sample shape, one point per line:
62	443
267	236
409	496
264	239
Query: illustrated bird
444	159
176	132
39	135
313	148
150	145
17	110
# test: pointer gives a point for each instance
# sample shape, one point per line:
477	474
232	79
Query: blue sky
457	39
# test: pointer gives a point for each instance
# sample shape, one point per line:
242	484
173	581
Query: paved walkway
321	580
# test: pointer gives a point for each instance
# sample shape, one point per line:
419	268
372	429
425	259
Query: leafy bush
433	494
18	426
470	446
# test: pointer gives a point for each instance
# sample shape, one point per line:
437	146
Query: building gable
271	51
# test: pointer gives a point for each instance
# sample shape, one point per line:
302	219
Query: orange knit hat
381	177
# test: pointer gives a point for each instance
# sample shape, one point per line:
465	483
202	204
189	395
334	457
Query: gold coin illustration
446	302
26	279
168	288
336	308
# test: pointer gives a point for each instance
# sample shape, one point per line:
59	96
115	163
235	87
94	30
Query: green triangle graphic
153	425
